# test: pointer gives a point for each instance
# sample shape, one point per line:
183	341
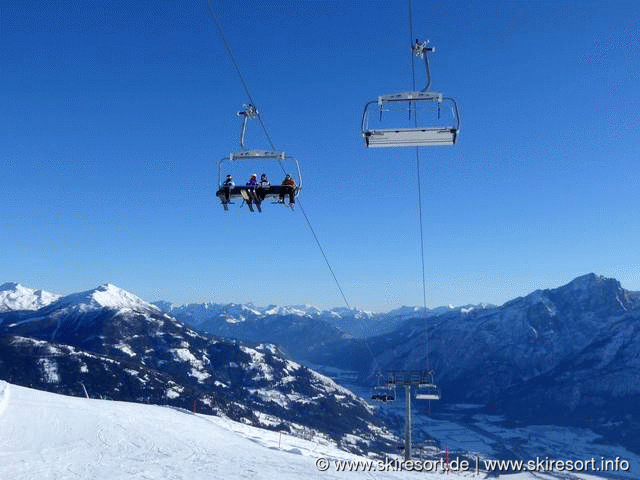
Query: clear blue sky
114	114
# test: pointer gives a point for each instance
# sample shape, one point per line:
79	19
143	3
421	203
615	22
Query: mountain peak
589	280
596	293
107	296
110	296
14	296
592	283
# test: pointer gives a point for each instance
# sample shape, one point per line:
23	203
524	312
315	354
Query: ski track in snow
4	396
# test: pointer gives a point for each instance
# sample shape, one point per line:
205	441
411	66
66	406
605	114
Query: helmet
253	175
287	176
263	176
229	177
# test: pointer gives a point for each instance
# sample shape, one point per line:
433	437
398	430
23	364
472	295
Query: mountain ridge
14	296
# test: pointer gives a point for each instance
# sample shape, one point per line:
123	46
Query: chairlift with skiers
385	390
255	193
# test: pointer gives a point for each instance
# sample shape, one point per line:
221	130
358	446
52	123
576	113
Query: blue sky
114	114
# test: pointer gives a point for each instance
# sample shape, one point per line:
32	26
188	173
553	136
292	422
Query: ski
247	199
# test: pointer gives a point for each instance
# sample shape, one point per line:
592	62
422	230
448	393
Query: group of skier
257	191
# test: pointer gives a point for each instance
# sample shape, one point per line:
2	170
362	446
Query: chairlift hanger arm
421	49
249	111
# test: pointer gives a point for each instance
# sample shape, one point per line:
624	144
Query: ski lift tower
425	387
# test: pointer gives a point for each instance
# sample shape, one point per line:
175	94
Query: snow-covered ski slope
49	436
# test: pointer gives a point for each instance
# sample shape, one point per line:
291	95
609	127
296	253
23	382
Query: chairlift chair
254	155
428	392
427	389
274	191
434	134
386	395
384	391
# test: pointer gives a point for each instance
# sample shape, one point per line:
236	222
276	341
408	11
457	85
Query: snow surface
106	296
49	436
14	296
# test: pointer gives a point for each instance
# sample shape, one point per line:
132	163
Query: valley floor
464	430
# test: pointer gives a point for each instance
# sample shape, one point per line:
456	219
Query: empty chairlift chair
427	389
432	124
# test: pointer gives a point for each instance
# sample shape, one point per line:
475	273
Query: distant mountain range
299	330
107	342
567	355
231	318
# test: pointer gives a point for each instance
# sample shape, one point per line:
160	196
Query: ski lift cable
413	60
268	137
413	65
227	47
243	82
245	86
418	176
236	66
324	255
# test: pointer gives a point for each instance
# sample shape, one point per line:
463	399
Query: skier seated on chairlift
227	186
291	183
263	187
251	187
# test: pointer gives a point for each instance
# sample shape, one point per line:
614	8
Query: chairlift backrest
261	156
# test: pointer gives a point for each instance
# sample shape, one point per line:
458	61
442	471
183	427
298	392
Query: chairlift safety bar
409	97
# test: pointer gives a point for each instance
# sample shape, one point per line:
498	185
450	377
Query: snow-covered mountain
299	329
549	357
567	355
105	296
110	343
479	353
14	296
216	318
599	386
